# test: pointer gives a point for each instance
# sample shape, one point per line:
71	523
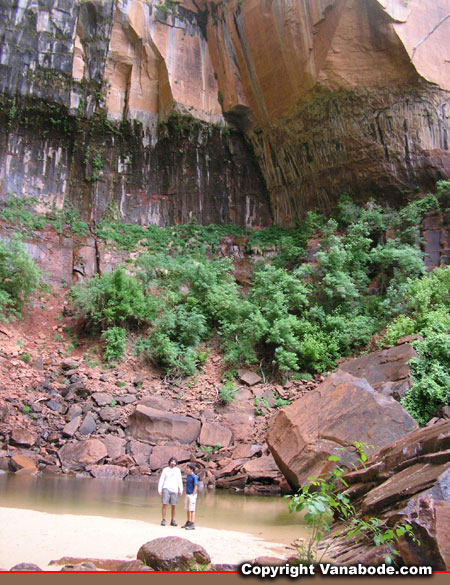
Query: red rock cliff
336	95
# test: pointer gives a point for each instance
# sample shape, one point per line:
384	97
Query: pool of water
267	517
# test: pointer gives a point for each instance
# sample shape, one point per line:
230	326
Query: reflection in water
138	499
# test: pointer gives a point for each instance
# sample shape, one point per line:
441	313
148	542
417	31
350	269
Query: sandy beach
39	537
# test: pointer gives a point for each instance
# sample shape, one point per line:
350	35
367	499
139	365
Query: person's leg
172	521
165	501
186	507
191	515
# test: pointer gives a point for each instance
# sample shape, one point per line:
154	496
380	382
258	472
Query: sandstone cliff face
336	95
128	101
116	102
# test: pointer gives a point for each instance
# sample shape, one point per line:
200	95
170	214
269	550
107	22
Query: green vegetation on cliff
315	293
19	277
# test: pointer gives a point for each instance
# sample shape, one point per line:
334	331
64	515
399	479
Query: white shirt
171	480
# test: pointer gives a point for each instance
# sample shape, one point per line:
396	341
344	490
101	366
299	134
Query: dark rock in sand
173	553
133	566
26	567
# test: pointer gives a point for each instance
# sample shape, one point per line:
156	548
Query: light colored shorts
189	502
169	497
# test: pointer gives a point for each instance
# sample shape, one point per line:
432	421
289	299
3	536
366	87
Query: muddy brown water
137	499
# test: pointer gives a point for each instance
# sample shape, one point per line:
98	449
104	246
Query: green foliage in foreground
19	277
323	502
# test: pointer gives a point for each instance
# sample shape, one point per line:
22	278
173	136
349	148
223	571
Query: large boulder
107	471
78	454
213	434
342	410
155	425
115	446
161	454
22	464
241	425
387	370
261	469
173	553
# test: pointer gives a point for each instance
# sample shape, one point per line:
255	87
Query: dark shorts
169	497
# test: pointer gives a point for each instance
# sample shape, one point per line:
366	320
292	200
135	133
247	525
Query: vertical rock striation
199	108
336	95
114	104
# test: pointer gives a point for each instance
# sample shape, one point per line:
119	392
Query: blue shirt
191	482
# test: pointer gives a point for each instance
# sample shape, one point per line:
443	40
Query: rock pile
71	418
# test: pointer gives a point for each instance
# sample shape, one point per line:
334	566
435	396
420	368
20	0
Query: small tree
19	277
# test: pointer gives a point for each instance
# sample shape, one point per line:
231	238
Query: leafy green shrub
195	295
399	327
112	299
19	277
431	383
227	392
115	343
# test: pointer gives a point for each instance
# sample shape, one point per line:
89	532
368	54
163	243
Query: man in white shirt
170	485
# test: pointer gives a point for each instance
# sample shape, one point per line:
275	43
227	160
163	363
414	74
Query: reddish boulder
71	427
102	398
173	553
23	464
342	410
161	454
213	434
387	370
261	469
245	450
22	438
107	471
115	446
250	378
133	567
429	520
155	425
241	424
25	567
81	453
403	485
140	452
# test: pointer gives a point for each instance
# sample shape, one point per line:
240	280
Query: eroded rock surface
342	410
173	553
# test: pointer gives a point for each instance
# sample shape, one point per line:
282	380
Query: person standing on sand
191	497
170	485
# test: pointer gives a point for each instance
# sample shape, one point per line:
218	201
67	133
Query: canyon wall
114	105
336	95
236	111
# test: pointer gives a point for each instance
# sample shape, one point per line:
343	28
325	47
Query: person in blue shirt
191	497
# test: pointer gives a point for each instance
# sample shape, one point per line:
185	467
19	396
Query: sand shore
38	537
